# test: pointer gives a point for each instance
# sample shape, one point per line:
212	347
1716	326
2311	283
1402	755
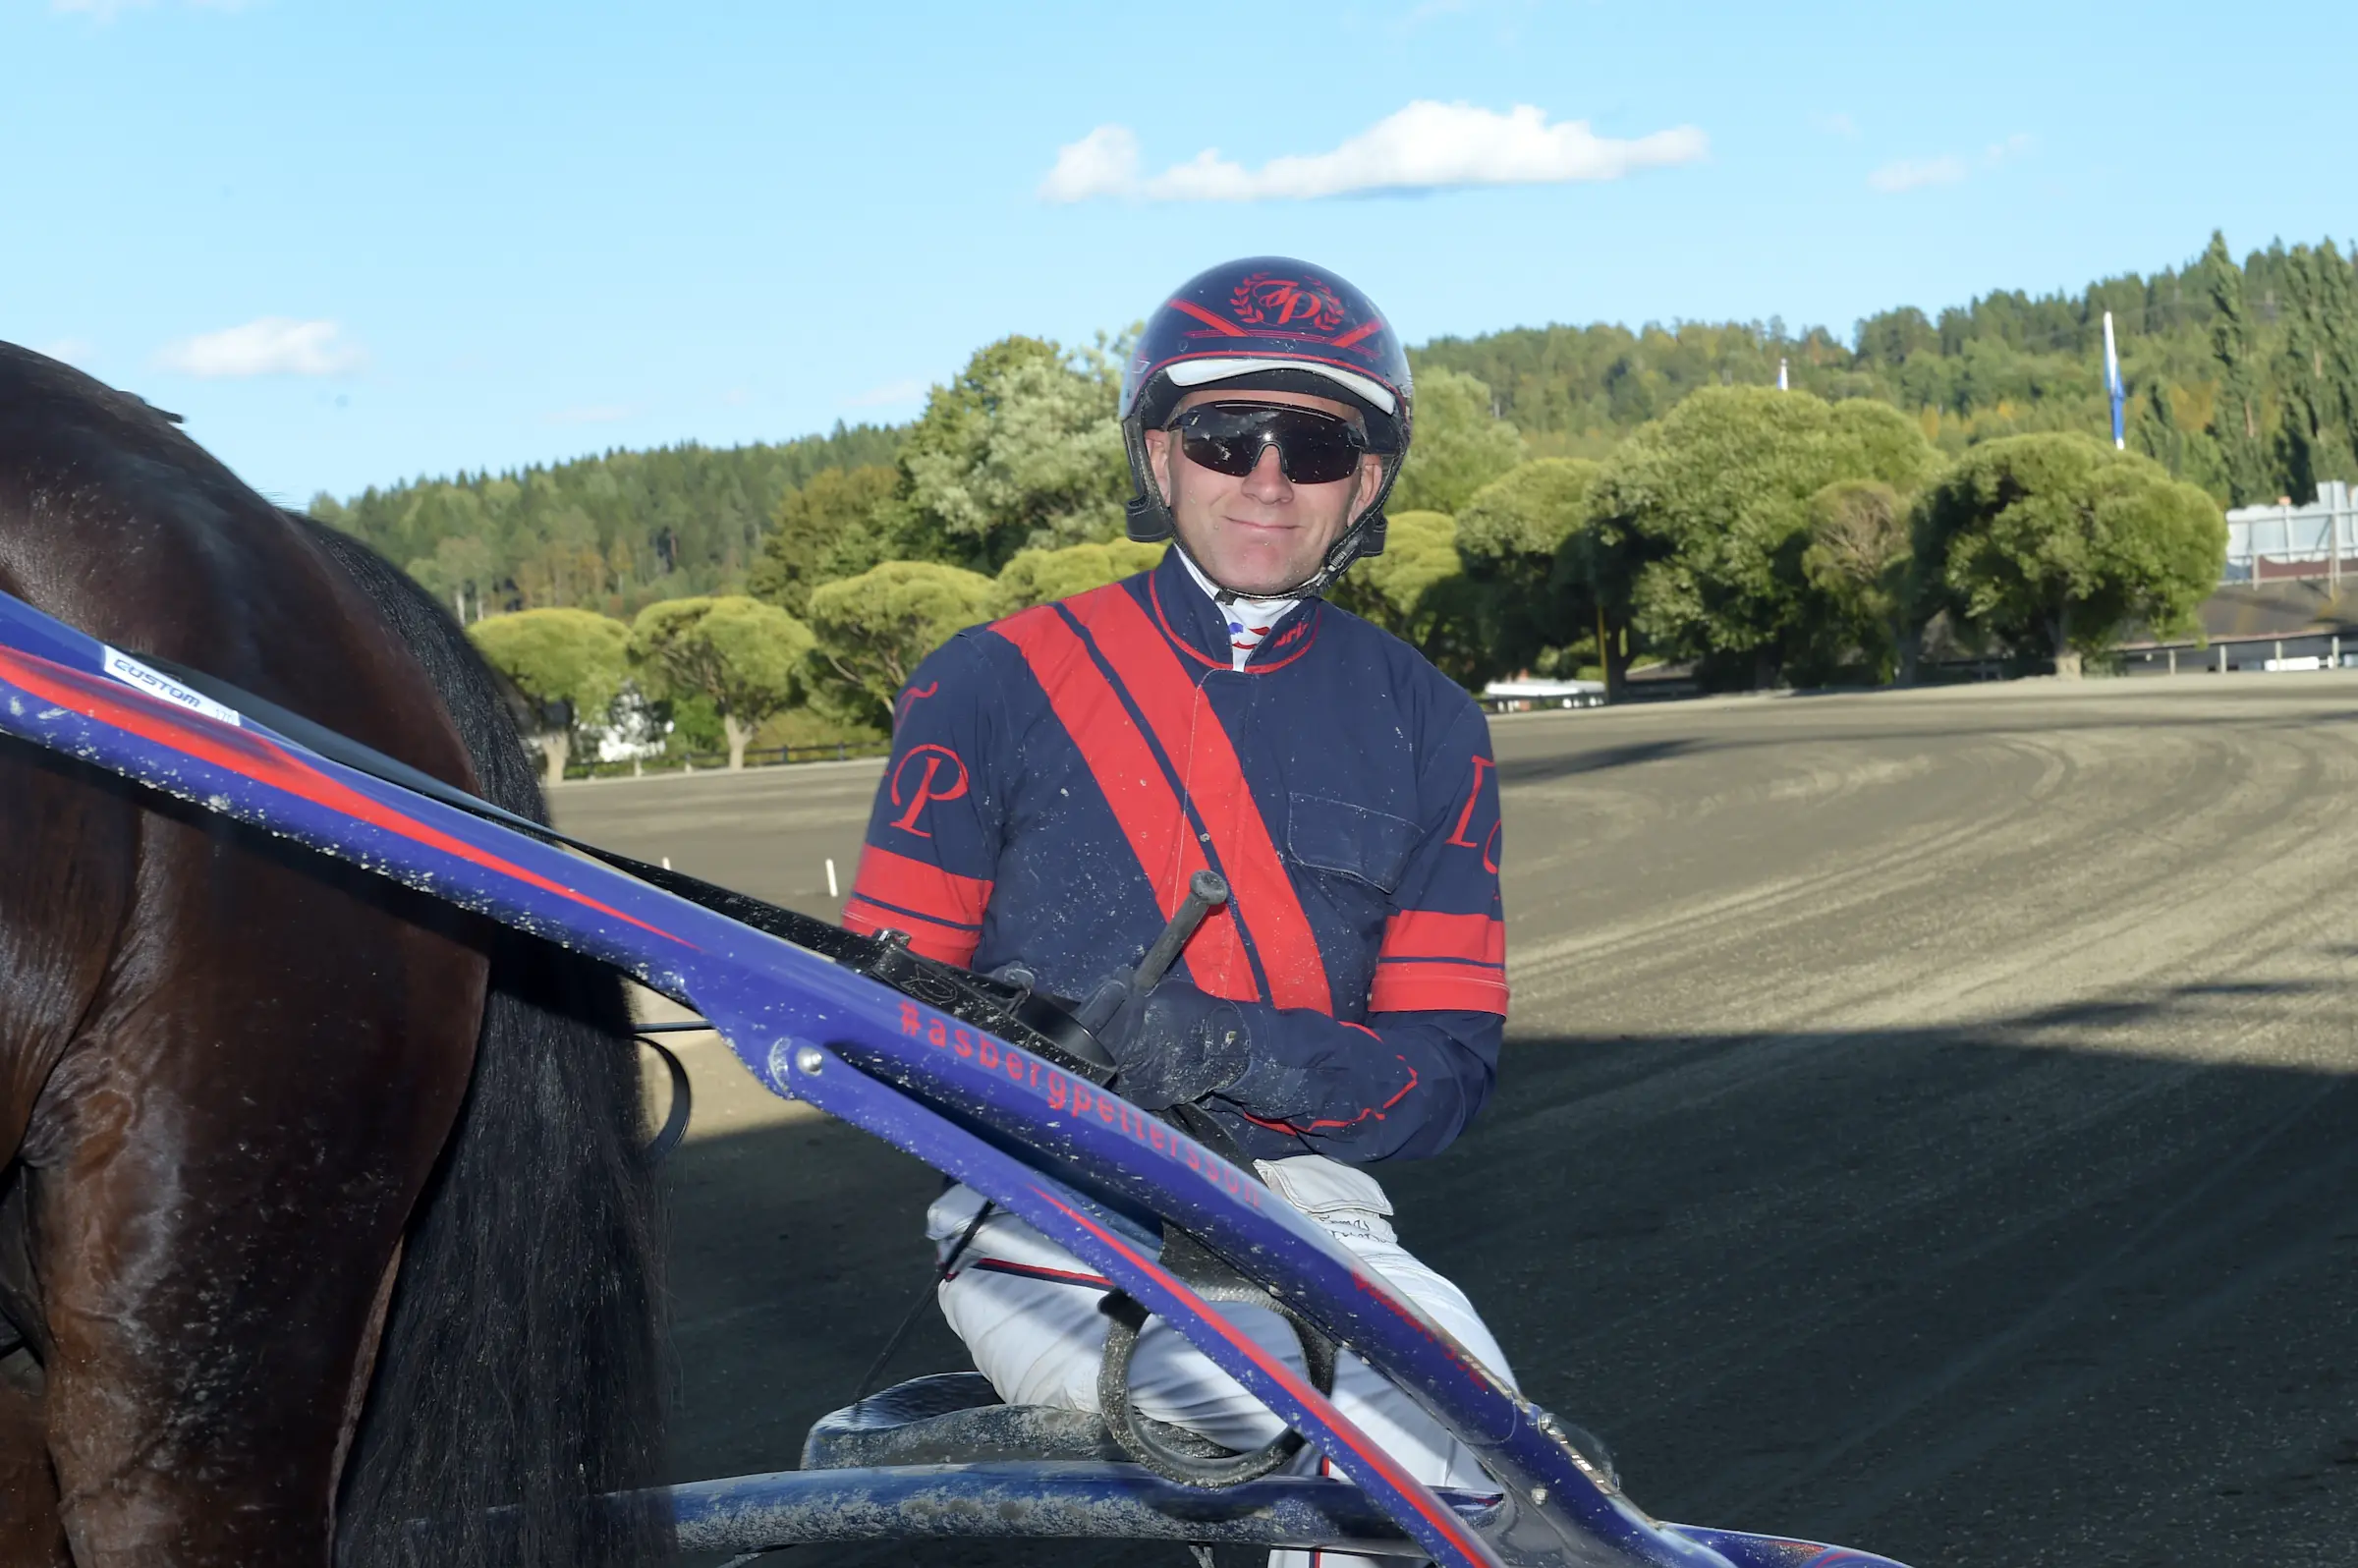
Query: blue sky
357	242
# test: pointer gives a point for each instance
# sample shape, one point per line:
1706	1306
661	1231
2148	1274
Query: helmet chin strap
1339	556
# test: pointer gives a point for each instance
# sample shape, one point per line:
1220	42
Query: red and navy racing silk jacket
1057	776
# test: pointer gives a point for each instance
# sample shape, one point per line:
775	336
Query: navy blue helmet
1268	323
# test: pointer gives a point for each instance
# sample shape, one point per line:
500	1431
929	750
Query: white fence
2274	543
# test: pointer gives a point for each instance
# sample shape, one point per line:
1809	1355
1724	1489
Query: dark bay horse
322	1212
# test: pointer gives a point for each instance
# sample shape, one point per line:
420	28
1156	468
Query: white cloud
1914	174
273	345
1103	163
1426	146
890	393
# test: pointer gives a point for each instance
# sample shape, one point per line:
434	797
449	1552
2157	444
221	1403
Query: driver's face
1260	533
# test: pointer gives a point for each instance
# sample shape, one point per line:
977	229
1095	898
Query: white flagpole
2113	386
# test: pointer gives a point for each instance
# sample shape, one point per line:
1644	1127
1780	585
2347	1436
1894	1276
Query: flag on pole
2113	386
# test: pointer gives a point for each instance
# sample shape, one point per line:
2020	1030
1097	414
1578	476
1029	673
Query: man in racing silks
1057	776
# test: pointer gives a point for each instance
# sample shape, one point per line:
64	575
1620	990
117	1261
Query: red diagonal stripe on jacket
1262	893
1440	963
941	911
1119	759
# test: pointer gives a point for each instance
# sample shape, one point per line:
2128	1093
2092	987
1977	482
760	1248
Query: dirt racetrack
1929	1122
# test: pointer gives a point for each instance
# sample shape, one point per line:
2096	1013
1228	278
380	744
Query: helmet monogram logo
1264	300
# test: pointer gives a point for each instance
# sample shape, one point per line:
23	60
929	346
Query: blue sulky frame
935	1087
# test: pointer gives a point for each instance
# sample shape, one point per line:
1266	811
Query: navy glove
1173	1043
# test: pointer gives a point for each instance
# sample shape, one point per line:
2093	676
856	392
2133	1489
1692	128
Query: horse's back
115	522
111	519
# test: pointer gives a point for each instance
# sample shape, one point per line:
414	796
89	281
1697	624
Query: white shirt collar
1248	620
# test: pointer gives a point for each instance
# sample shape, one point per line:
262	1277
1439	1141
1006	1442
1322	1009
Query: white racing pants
1027	1312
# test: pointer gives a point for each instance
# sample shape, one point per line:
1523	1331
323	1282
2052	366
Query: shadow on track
1598	759
1963	1296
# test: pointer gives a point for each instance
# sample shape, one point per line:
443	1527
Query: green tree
1706	512
1511	536
1391	589
2004	364
742	655
570	663
1857	560
1598	567
2237	419
2052	543
874	628
1523	516
823	529
1038	576
1892	336
605	533
2155	429
2318	369
1022	451
1418	591
460	570
1459	444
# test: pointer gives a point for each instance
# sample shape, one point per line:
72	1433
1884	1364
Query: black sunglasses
1313	447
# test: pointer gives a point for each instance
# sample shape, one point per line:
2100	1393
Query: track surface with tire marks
1929	1121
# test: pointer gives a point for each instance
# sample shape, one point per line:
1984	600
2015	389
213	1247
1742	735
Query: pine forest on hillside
612	533
2243	380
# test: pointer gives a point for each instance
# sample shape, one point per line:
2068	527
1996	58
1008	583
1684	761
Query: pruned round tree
746	658
874	628
569	663
1041	577
2053	545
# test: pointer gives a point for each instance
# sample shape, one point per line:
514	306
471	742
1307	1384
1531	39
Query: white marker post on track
832	890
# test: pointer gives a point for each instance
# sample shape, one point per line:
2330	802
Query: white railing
2273	543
